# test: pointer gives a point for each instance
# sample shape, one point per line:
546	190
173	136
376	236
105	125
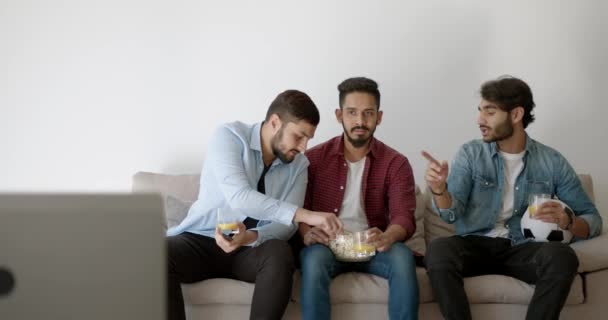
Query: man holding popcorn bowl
370	187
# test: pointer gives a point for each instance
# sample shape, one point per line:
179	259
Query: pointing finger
430	158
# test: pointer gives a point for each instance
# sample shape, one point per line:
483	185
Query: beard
502	131
276	148
359	142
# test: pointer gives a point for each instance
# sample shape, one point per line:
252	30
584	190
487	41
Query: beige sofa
363	296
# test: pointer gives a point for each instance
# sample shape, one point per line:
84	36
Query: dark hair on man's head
359	84
508	93
293	106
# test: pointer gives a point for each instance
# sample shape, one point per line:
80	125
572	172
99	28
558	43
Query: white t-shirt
513	165
352	213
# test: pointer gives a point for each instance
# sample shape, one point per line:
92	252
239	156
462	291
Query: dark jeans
270	266
550	266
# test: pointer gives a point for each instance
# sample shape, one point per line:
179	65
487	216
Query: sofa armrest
592	253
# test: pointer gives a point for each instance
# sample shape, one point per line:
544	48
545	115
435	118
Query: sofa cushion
592	254
178	191
183	186
417	242
218	291
503	289
356	287
175	210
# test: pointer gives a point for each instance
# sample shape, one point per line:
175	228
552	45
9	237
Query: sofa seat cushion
356	287
503	289
218	291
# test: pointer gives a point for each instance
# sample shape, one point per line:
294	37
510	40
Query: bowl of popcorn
352	247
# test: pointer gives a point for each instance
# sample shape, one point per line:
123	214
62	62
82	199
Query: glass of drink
226	221
361	245
535	200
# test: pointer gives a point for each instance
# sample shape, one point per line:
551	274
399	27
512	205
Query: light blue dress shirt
229	180
476	183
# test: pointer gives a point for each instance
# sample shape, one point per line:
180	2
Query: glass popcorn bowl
344	247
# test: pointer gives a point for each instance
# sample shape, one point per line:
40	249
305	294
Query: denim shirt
476	183
229	180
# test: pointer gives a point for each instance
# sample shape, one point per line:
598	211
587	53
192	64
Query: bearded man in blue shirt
257	175
486	194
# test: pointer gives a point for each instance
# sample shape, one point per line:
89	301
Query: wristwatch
570	217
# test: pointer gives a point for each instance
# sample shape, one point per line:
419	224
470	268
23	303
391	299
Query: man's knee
398	265
316	258
558	257
175	252
277	254
400	256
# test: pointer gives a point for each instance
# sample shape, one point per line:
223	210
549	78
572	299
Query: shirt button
341	187
516	188
345	164
335	210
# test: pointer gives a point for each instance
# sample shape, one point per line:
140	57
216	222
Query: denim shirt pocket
484	192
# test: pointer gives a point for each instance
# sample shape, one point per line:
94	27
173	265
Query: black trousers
270	266
550	266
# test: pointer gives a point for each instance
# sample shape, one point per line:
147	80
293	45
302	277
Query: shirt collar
530	146
255	141
493	149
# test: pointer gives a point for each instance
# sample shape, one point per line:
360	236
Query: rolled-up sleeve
570	190
459	185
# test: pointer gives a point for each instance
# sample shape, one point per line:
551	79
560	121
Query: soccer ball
543	231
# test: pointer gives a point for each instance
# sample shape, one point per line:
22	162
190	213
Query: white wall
93	91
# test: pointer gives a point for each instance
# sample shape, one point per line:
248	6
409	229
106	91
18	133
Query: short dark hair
508	93
359	84
292	106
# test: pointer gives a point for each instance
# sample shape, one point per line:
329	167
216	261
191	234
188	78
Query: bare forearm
327	221
301	215
396	233
580	228
250	237
443	201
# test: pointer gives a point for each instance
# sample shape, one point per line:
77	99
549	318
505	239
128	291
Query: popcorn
342	247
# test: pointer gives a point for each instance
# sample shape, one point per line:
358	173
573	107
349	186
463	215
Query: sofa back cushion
417	241
178	192
181	186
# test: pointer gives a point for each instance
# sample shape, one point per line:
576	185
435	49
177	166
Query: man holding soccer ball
486	195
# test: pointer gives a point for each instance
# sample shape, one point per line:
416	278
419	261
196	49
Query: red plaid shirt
388	188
